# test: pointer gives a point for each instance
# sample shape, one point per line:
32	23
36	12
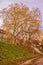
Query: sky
30	3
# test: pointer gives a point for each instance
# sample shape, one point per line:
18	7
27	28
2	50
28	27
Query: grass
12	54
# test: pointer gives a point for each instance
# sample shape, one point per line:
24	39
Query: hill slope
12	54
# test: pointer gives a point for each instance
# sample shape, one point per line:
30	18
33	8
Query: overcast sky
29	3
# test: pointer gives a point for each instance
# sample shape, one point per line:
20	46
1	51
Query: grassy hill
12	54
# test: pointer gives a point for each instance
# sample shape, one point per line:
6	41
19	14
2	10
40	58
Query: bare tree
21	21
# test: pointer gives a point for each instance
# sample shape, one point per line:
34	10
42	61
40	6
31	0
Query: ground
38	62
11	54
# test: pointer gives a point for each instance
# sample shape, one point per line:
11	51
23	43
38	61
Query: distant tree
21	21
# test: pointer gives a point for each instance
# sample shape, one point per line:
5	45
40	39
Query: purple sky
30	3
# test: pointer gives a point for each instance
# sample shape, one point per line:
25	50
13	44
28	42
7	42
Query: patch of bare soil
27	62
38	62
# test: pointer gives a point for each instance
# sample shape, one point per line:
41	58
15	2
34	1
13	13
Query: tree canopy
21	21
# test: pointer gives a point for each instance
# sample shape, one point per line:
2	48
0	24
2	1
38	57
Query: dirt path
38	62
34	61
28	61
